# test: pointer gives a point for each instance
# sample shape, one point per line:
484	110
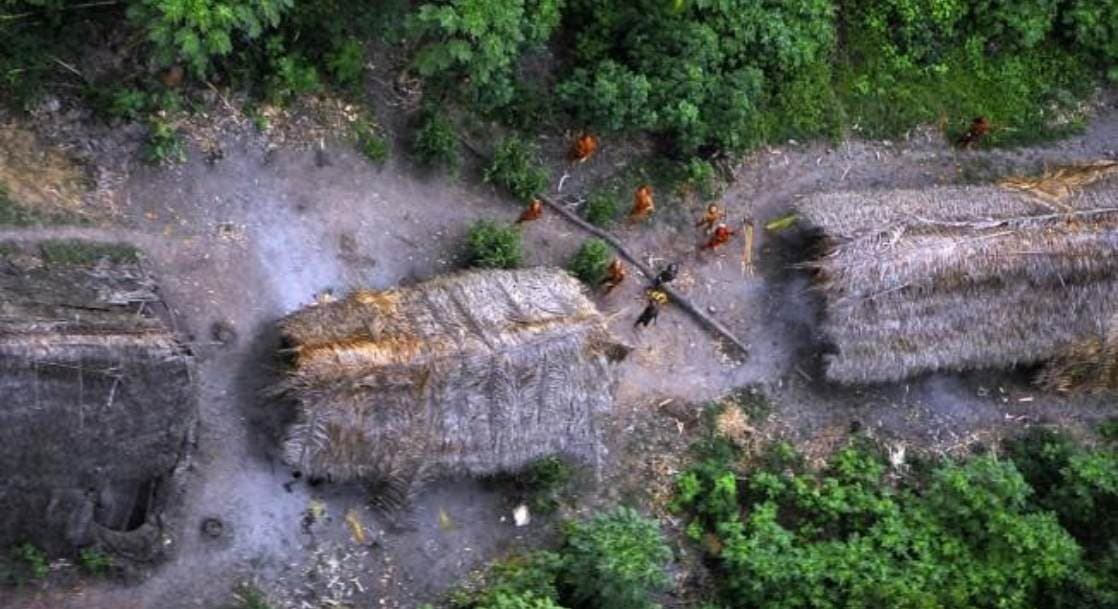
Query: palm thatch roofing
98	397
959	278
474	373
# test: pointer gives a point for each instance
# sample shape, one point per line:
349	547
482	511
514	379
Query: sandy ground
256	235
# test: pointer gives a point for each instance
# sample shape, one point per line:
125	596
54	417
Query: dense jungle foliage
1032	525
703	76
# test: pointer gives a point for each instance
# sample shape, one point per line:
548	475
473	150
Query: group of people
712	224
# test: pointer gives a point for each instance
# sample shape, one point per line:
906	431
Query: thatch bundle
96	402
963	277
474	373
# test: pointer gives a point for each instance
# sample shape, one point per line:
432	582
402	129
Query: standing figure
721	236
979	127
642	204
712	216
583	148
651	311
615	274
533	212
666	276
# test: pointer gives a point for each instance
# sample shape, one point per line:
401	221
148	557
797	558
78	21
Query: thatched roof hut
474	373
97	399
963	277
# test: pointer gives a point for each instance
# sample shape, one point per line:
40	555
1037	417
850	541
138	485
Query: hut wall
96	404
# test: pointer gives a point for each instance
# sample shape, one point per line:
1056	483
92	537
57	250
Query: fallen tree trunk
678	299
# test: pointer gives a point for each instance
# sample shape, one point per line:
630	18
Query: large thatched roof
473	373
962	277
97	399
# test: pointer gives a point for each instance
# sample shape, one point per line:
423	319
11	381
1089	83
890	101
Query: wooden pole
705	320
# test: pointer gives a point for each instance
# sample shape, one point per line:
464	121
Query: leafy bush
912	61
197	31
695	71
347	62
250	597
590	261
436	142
490	245
971	535
93	562
515	167
545	475
1094	27
164	145
24	563
371	144
289	73
614	560
503	600
128	103
477	42
601	208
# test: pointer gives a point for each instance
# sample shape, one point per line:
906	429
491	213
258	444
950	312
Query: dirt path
253	237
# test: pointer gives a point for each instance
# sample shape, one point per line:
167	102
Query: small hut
96	399
960	278
474	373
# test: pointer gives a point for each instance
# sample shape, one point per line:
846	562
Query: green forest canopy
703	75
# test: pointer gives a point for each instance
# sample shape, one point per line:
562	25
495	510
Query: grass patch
370	143
248	596
14	214
73	252
1028	96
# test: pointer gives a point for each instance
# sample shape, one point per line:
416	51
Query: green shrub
347	63
290	73
369	142
699	177
248	596
846	537
93	562
128	103
197	31
477	42
590	261
164	145
490	245
516	168
503	600
614	560
1094	27
541	481
436	142
695	71
25	563
601	208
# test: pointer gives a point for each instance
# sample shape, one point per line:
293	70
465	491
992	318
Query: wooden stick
699	315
